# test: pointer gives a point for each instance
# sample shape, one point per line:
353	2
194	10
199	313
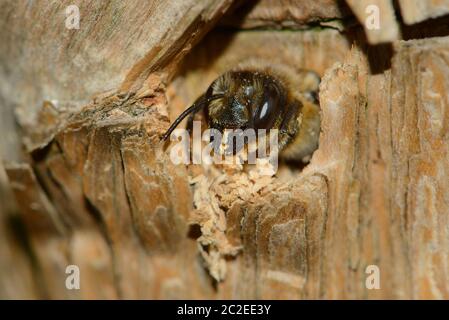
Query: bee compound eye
269	108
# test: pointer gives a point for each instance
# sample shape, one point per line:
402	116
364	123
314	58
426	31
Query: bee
259	95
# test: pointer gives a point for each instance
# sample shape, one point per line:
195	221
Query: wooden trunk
85	180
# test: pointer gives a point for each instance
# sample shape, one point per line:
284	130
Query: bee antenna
197	106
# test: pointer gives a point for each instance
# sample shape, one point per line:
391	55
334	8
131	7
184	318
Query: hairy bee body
259	95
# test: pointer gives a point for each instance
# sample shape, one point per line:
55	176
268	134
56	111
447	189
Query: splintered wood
377	18
414	11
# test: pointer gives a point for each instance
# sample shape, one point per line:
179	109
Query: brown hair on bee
257	95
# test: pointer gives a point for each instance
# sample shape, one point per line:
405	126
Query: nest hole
223	48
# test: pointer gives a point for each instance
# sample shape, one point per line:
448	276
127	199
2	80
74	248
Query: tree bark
85	180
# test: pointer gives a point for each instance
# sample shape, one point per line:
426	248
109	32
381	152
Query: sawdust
215	190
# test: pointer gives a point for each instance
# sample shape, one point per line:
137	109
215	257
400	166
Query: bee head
248	100
240	100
